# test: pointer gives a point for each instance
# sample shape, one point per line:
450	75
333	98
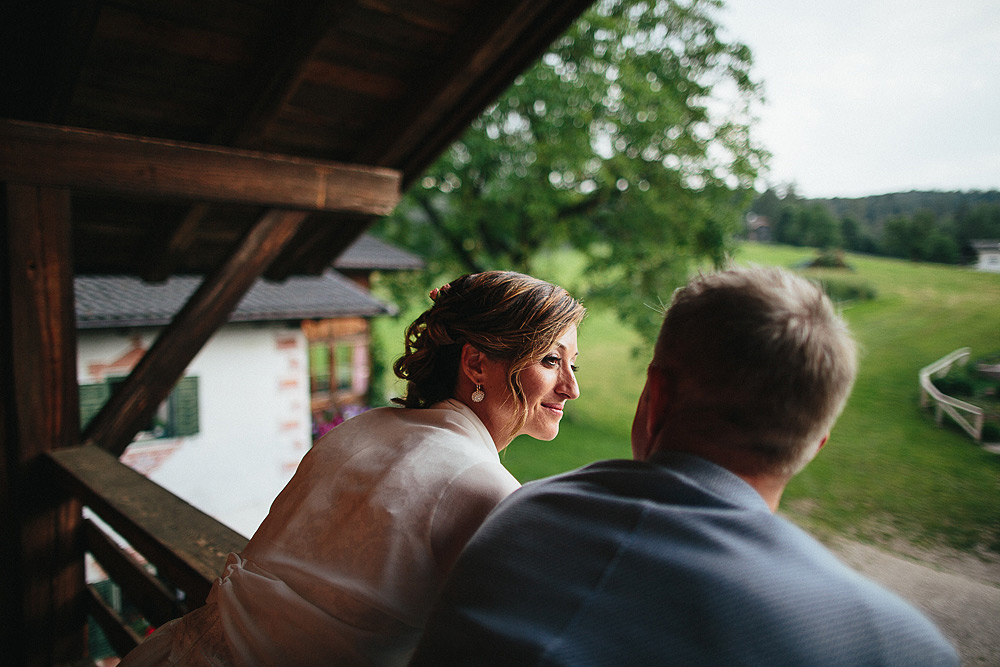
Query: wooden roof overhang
231	139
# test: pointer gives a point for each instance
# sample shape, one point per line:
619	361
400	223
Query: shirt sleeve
469	498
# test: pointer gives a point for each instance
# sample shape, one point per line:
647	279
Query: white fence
946	404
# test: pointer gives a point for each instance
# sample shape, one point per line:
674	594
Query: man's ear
659	384
473	364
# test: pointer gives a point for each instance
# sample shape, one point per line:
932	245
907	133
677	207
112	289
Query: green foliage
991	432
843	291
829	259
810	225
629	140
920	226
953	386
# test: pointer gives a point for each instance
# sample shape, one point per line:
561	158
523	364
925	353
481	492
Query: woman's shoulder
441	432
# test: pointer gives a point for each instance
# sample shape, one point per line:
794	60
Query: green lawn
888	470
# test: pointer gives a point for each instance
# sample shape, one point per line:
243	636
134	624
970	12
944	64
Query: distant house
369	254
758	228
988	251
234	428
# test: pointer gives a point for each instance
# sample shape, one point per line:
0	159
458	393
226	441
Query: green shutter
184	405
92	399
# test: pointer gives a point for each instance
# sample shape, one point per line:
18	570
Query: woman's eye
551	361
574	368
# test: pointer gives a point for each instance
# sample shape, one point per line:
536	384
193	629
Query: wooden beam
315	234
482	66
43	414
10	552
278	71
157	604
111	163
42	46
137	398
187	546
121	637
181	239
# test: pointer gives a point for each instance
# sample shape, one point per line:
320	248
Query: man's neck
769	488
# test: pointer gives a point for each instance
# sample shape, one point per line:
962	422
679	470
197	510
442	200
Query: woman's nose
569	387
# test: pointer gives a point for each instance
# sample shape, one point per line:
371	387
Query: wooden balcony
181	544
259	141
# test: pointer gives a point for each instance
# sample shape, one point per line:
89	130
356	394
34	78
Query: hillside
874	210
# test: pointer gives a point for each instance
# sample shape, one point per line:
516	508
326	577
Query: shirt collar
474	420
711	477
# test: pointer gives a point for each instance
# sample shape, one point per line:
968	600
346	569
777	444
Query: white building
989	255
232	432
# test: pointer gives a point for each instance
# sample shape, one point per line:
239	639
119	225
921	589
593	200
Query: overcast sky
876	96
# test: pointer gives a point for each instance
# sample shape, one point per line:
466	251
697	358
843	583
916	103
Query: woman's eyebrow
561	346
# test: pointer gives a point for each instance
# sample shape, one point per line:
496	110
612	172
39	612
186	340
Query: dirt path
960	593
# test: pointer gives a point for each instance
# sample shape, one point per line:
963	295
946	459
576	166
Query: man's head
751	369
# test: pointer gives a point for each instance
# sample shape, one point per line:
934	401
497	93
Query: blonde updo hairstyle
509	317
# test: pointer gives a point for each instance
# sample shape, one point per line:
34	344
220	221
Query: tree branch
455	241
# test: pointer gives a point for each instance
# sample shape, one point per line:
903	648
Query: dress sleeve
463	507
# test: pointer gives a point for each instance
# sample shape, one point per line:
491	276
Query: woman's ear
473	364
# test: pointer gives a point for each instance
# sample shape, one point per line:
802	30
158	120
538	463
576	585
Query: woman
347	563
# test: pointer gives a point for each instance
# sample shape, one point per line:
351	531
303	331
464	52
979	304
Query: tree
629	140
850	231
941	247
821	228
897	238
790	227
768	205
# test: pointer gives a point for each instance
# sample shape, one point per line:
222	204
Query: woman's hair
509	317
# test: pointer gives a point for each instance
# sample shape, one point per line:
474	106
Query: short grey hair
765	363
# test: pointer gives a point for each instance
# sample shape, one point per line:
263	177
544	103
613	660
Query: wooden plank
43	526
10	584
187	546
181	238
134	400
123	164
300	256
277	71
483	63
157	603
121	637
42	49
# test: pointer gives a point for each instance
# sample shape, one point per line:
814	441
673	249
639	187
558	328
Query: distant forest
920	226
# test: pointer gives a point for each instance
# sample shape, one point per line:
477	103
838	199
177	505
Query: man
677	557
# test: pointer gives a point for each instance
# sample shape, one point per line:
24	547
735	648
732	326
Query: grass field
889	472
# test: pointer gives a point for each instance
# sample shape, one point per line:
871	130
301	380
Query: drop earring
478	395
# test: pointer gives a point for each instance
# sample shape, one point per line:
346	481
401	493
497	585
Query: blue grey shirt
670	561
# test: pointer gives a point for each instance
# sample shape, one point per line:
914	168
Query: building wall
253	413
989	260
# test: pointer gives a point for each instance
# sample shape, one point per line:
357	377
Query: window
344	355
177	416
339	365
319	366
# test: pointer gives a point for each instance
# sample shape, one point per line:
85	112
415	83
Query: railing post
42	601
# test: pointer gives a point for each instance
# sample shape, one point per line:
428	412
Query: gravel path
959	593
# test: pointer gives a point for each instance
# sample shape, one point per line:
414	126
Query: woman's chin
545	437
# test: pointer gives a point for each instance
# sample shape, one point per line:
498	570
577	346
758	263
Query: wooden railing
185	546
944	404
